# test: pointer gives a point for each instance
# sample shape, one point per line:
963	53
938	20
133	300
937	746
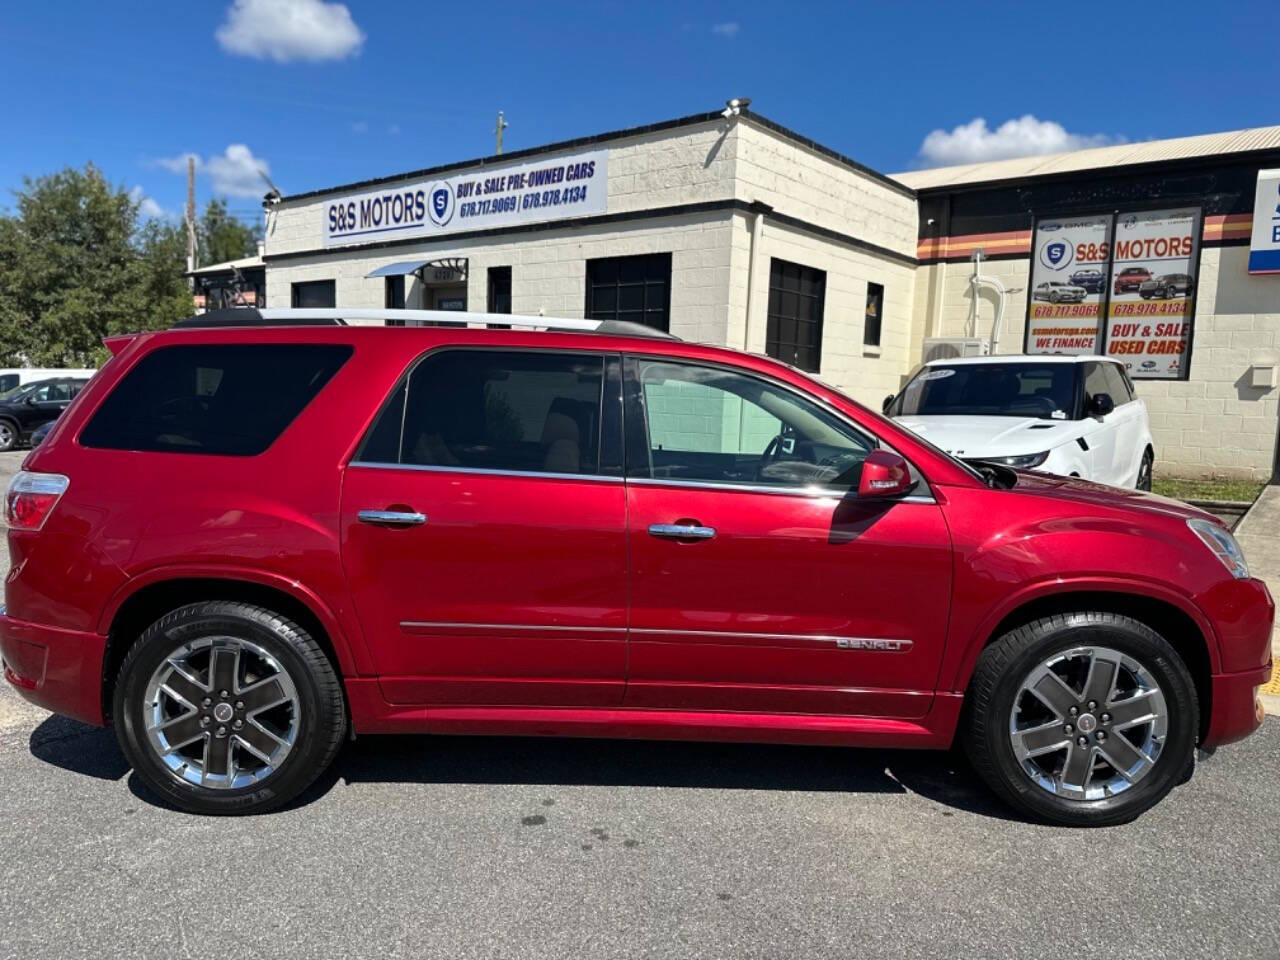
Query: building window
636	289
499	289
794	331
393	298
875	311
314	294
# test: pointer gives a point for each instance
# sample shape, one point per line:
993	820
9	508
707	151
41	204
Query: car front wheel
1082	719
225	707
8	435
1145	469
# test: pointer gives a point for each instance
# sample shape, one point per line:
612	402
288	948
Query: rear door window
510	411
228	399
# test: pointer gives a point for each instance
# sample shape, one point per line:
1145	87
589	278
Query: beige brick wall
801	182
1213	423
548	272
865	373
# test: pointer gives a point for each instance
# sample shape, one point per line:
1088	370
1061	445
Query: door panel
512	591
805	604
759	582
1102	433
509	585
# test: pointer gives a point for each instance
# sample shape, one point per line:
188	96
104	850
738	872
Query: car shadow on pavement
938	776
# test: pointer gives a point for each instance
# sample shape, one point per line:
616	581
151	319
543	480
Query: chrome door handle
681	531
392	518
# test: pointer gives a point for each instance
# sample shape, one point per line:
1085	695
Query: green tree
222	237
75	267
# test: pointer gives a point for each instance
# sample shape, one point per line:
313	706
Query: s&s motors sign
535	192
1264	244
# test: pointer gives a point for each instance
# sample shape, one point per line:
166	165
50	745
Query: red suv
242	546
1131	279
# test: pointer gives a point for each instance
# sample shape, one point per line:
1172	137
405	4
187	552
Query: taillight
32	497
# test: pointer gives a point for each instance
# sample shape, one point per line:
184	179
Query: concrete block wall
867	374
548	273
802	182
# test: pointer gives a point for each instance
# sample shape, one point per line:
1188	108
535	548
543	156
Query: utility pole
502	125
191	218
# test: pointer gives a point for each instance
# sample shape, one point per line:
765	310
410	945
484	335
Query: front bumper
60	670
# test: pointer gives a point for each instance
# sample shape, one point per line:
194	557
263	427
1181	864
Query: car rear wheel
1170	292
225	707
1145	470
8	435
1082	719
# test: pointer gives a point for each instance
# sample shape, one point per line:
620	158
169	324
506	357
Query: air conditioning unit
948	348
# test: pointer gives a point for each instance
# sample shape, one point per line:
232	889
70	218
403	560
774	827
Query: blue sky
321	94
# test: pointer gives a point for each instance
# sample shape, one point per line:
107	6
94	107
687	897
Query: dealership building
736	231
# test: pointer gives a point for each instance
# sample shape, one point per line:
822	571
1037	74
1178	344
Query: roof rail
326	316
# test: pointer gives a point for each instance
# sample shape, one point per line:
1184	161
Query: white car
1072	416
1056	292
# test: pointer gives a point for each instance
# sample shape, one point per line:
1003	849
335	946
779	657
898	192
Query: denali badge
866	643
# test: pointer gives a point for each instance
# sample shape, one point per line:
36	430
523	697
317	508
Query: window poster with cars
1153	291
1068	284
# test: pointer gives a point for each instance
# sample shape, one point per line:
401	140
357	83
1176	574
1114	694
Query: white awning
400	269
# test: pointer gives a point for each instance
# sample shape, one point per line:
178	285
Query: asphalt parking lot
505	847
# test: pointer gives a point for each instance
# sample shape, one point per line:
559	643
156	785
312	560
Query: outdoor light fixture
734	107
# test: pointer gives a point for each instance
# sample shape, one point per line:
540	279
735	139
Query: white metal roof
1209	144
241	264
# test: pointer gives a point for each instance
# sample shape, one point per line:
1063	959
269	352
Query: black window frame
393	297
1110	275
873	321
655	276
776	345
169	357
498	299
609	438
297	287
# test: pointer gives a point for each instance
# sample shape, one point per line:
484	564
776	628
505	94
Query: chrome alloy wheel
222	713
1088	723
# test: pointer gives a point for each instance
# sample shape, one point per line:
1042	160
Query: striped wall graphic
1218	230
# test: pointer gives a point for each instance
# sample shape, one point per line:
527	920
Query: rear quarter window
227	399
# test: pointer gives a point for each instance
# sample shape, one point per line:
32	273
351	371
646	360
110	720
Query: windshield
17	393
1042	390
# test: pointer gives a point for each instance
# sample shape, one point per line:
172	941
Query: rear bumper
60	670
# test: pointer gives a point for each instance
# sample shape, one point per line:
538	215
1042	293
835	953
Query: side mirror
888	402
1101	404
31	400
884	475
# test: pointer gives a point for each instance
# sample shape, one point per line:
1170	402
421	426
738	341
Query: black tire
996	683
9	434
317	711
1145	470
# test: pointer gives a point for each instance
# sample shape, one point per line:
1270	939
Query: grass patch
1200	488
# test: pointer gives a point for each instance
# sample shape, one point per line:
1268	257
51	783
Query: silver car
1057	292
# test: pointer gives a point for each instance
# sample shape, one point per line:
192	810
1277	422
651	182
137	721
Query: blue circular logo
440	203
1057	254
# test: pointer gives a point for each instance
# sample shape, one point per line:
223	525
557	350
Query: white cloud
285	30
176	164
148	208
727	29
235	172
238	173
1025	136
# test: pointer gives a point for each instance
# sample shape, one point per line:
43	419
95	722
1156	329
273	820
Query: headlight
1024	462
1223	545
